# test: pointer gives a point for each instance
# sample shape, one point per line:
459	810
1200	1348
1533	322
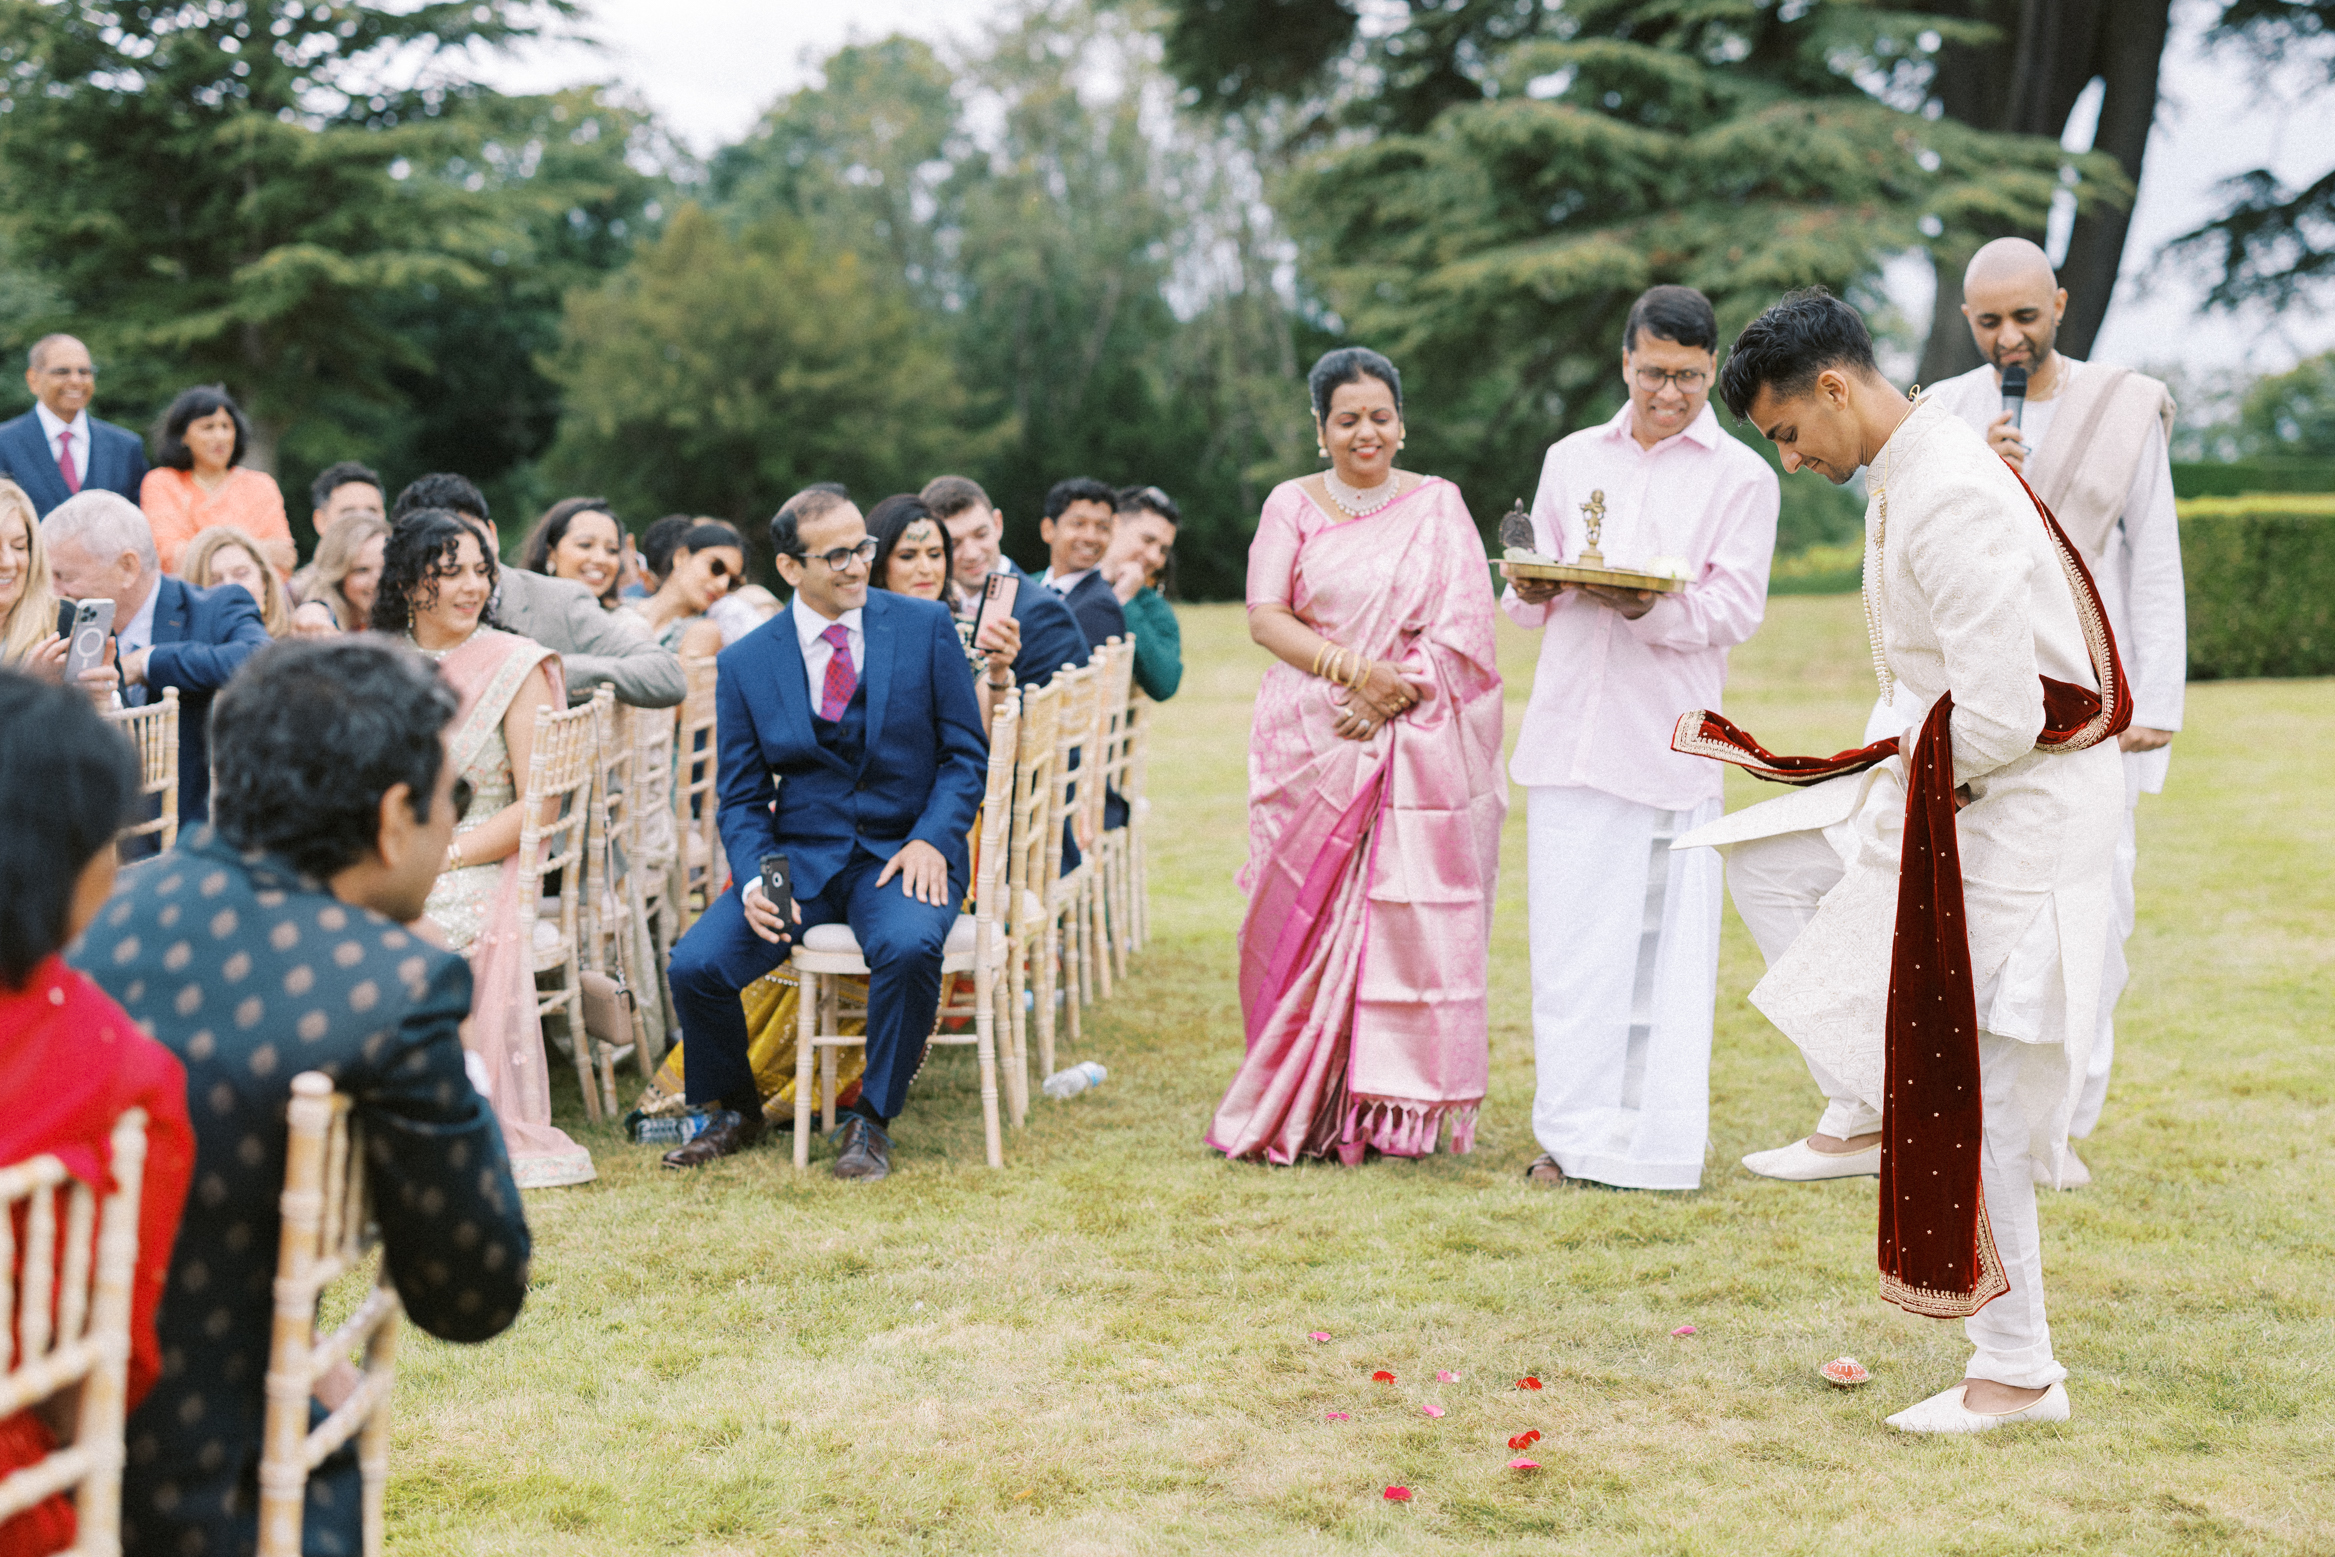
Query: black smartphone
778	889
65	619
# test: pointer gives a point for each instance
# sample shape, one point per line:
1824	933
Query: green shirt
1159	647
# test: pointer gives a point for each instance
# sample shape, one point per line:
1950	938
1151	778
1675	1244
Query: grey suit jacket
594	645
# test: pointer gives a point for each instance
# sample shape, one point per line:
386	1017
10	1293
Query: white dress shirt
134	635
1608	690
809	624
1063	583
79	427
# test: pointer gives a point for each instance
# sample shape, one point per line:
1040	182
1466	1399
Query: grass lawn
1103	1348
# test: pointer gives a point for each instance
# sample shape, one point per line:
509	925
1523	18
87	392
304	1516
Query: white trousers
1777	883
1625	970
2117	973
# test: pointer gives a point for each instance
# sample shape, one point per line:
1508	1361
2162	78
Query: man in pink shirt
1625	934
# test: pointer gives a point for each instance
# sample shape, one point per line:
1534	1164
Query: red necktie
842	675
65	459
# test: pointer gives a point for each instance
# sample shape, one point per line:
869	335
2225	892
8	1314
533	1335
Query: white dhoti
1625	962
2140	767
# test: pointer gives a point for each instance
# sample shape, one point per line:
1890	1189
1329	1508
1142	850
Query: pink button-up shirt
1609	690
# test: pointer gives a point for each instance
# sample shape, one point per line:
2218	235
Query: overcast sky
709	67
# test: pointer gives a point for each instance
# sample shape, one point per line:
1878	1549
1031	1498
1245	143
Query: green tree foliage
2291	413
721	371
311	204
1552	164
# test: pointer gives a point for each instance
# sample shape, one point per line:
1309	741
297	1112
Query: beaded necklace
1351	498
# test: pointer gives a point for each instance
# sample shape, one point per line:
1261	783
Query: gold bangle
454	855
1362	670
1321	654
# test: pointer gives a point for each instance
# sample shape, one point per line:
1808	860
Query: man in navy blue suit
1051	637
57	448
1080	515
166	633
860	705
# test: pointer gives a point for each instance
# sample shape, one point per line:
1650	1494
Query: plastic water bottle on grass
1077	1079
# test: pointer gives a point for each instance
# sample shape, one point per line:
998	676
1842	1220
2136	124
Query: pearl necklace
1352	499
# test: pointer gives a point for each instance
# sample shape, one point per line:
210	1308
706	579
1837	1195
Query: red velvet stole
1936	1250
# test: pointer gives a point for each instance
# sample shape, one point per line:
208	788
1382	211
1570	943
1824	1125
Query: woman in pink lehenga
1375	801
436	580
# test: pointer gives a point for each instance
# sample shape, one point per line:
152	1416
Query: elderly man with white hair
167	633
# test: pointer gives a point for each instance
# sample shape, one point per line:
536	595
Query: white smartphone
998	594
93	623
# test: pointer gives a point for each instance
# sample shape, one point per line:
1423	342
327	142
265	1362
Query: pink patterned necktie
65	460
842	675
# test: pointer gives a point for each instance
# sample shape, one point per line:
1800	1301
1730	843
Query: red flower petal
1528	1383
1382	1377
1532	1435
1519	1441
1398	1494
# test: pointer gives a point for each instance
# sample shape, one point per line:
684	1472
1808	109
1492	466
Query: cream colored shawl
2084	469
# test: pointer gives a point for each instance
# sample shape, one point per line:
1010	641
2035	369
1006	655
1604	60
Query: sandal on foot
1534	1175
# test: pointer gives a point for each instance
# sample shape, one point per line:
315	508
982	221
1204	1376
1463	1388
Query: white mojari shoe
1945	1413
1801	1163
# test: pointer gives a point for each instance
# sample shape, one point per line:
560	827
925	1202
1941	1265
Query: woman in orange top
199	480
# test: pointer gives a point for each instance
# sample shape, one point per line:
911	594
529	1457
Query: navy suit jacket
1051	636
201	639
1096	605
920	777
115	461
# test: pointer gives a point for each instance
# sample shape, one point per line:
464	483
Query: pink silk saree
505	1033
1365	948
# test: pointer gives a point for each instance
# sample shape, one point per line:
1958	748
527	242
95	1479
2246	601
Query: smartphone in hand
778	890
998	596
85	626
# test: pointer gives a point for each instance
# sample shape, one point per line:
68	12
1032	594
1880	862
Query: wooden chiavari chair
1109	895
1066	903
1034	860
1141	710
617	937
699	868
66	1304
153	729
976	945
553	836
328	1232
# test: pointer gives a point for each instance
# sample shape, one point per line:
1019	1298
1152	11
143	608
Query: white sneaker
1945	1413
2077	1174
1801	1163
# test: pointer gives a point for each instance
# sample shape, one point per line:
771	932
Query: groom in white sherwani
1966	593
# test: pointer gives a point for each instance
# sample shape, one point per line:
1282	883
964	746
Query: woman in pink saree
436	580
1375	801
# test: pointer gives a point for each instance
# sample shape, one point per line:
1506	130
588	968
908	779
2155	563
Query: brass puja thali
1588	568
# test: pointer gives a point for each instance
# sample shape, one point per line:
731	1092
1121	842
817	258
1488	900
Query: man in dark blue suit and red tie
859	704
57	448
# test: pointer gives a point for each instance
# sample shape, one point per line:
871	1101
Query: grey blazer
594	645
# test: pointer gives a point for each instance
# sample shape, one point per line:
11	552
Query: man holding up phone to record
1051	637
851	746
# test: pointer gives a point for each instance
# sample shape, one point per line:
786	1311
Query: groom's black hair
1785	348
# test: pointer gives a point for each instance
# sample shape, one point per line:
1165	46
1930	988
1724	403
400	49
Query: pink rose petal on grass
1683	1330
1447	1378
1317	1335
1398	1494
1432	1410
1524	1465
1336	1416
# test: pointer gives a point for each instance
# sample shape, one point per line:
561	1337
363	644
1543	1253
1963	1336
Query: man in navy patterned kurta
276	945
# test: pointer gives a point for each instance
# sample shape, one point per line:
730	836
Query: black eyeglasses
842	556
1688	380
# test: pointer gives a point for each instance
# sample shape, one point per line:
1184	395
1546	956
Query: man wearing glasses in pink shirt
1625	934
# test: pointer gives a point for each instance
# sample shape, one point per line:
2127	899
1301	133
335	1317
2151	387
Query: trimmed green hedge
2261	589
2202	478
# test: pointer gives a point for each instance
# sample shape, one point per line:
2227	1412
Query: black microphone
2015	393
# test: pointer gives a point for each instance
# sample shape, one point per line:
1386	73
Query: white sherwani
1967	594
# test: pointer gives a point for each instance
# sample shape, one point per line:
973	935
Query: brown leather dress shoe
729	1132
864	1151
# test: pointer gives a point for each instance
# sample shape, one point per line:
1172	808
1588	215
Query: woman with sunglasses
697	566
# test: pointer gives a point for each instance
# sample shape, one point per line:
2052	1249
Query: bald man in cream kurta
1968	595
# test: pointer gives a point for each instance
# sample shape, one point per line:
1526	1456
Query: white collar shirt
1608	690
79	427
1063	583
136	634
809	629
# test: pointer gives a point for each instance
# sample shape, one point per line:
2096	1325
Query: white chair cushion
838	939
